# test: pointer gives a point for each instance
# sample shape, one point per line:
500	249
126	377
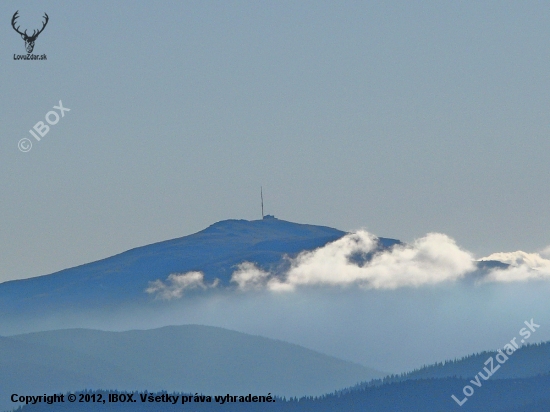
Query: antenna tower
262	197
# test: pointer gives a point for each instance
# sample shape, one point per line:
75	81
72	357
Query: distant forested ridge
528	361
420	395
521	384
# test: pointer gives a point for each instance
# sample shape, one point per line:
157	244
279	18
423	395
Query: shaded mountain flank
215	251
123	278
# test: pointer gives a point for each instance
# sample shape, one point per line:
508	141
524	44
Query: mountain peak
122	279
269	228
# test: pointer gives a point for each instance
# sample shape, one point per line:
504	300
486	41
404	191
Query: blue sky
401	117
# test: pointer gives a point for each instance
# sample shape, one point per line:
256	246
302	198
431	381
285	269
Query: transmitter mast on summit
262	197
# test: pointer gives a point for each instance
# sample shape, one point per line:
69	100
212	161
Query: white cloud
432	259
177	283
523	267
249	277
327	265
519	258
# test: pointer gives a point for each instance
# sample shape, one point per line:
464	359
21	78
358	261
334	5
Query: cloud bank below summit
355	261
177	283
523	267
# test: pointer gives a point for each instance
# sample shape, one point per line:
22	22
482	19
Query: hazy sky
401	117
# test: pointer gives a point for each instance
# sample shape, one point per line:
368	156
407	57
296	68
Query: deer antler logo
29	40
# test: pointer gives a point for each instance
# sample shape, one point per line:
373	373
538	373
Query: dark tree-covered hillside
421	395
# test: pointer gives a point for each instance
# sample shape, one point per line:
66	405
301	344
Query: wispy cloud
356	260
249	277
432	259
523	267
177	283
